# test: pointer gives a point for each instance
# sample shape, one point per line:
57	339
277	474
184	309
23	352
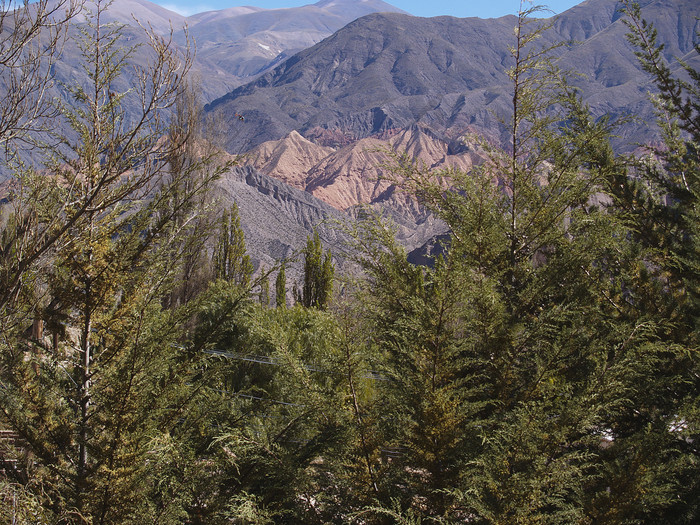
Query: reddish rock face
358	173
289	159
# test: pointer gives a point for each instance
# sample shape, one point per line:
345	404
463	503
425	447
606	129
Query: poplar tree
318	274
264	284
231	262
191	168
281	287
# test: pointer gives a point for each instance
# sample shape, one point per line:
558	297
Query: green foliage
493	352
189	209
429	392
538	361
283	418
245	509
395	513
668	182
94	408
19	505
658	291
318	274
231	262
545	369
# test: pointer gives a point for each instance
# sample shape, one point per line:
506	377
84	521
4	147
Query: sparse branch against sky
459	8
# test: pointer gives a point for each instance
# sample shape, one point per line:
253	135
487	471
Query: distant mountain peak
373	3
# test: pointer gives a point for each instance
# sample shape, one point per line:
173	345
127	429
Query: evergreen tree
413	317
96	412
667	182
657	294
503	374
281	425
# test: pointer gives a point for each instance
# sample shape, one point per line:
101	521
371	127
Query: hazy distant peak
124	12
208	16
357	7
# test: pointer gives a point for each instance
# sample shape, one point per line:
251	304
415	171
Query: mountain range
389	71
317	99
327	119
234	45
246	41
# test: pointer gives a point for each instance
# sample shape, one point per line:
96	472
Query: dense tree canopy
544	369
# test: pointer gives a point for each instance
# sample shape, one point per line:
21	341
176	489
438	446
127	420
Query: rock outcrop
289	159
361	172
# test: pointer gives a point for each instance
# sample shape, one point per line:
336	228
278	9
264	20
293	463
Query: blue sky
460	8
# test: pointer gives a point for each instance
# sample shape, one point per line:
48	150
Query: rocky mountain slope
132	12
378	73
326	120
359	176
361	173
289	159
277	218
389	71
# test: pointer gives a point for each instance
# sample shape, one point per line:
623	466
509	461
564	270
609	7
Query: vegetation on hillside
544	370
